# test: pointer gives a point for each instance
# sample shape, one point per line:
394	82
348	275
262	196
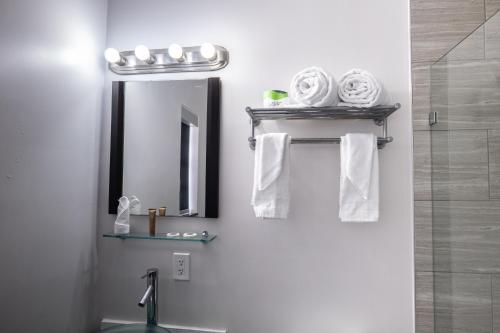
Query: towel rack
378	114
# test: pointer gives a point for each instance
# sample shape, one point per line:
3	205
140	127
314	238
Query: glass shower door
465	168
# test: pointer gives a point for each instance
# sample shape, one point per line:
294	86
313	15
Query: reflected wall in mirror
165	145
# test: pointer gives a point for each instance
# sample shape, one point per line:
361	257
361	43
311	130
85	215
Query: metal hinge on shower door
433	118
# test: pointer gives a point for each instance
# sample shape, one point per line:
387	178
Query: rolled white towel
313	86
360	88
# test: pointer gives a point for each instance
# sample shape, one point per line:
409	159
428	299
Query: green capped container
275	98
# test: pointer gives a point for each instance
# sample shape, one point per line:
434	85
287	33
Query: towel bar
378	114
380	141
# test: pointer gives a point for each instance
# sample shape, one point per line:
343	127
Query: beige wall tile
492	7
422	165
466	94
421	106
424	303
466	236
496	302
438	25
494	163
459	165
462	303
423	236
492	31
471	48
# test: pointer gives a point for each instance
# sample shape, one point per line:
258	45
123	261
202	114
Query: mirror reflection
166	146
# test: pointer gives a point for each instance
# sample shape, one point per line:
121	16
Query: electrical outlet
181	266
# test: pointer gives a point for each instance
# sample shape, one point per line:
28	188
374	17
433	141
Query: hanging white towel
271	197
359	183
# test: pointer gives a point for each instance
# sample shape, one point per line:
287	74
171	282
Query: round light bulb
112	55
207	51
175	51
142	53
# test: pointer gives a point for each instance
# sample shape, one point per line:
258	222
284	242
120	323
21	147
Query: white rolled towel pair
359	88
314	86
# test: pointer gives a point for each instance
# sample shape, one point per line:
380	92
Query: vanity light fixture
175	58
176	52
142	53
208	51
113	56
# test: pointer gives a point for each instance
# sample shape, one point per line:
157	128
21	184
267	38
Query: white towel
135	205
271	197
313	86
359	189
122	222
360	88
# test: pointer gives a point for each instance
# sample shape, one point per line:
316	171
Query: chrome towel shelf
378	114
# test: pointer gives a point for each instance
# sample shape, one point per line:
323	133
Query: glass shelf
161	236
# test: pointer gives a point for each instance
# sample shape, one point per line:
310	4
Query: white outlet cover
180	265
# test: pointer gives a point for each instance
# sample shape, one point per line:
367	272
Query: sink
135	328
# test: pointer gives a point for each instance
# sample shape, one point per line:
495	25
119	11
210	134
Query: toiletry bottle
152	221
162	211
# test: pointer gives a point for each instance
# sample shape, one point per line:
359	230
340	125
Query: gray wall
50	98
309	273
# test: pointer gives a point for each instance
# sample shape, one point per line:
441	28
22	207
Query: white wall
51	78
309	273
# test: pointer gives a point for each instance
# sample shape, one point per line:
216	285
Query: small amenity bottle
152	221
162	211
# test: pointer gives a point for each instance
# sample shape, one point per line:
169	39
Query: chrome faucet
150	297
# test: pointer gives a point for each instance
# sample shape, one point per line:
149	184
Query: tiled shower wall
457	215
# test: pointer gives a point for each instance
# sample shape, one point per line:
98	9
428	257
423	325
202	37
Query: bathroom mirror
165	146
